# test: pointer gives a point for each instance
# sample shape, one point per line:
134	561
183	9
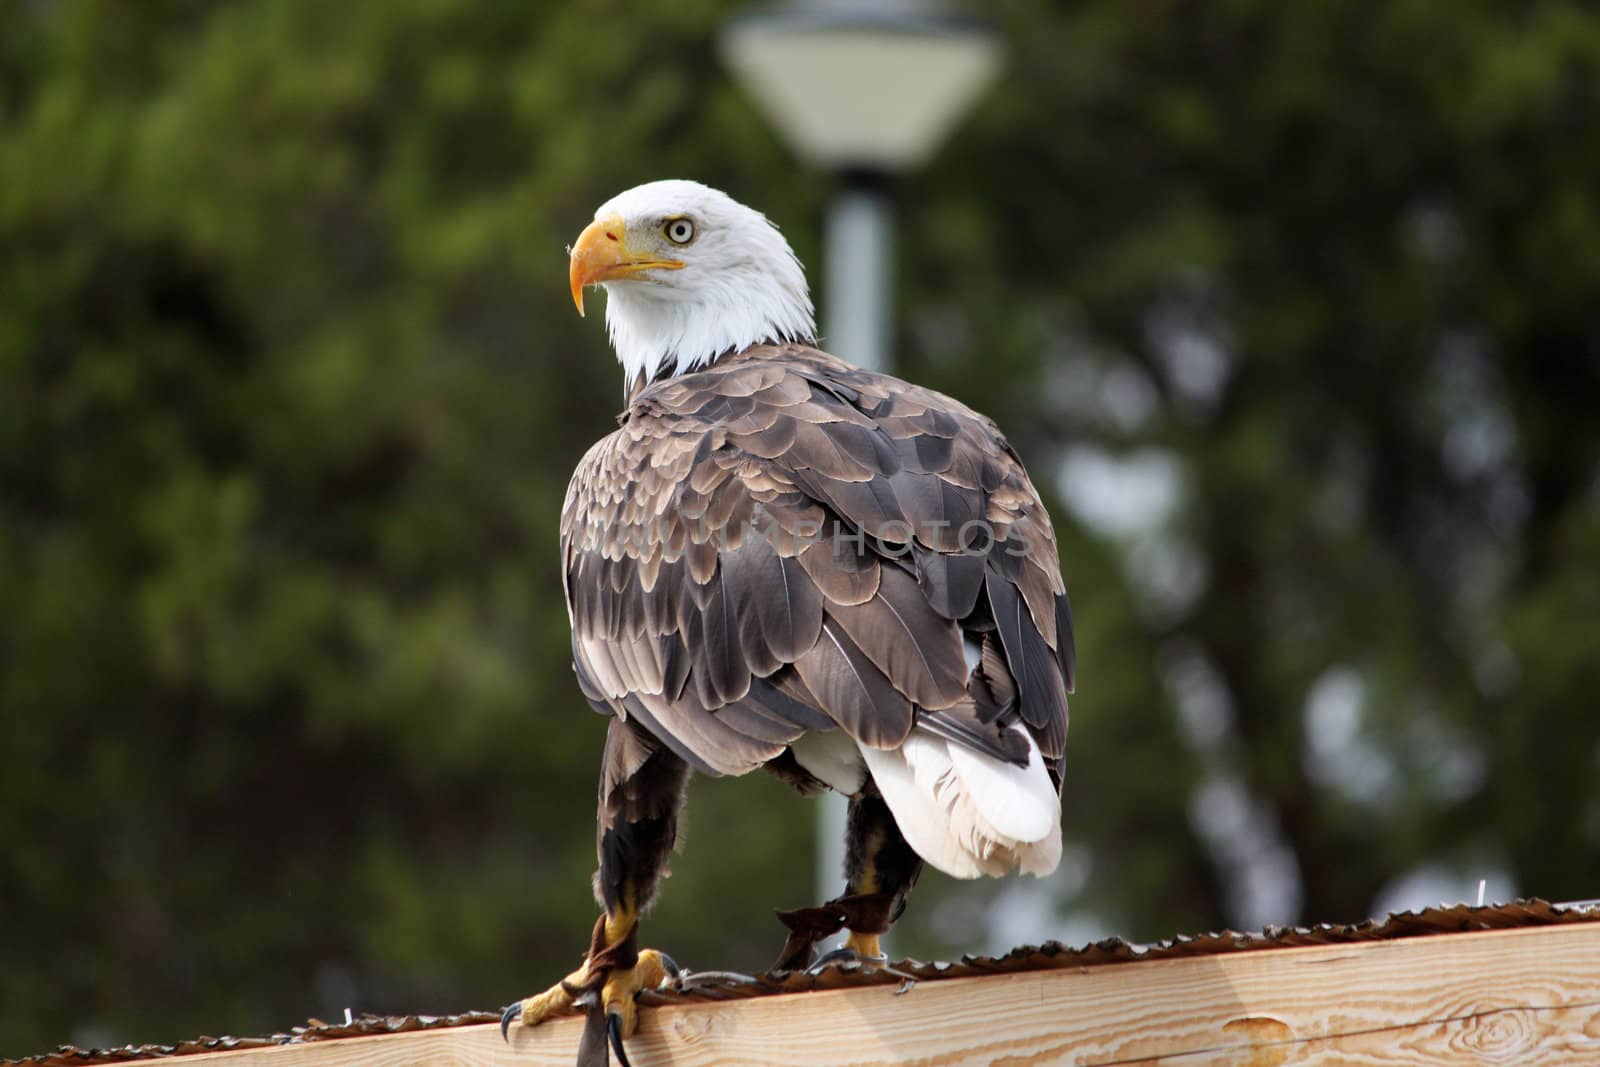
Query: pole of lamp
858	249
866	89
858	307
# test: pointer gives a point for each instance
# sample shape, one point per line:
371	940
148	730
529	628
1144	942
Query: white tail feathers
833	759
969	814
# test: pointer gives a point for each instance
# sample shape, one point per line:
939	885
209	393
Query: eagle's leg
641	793
880	871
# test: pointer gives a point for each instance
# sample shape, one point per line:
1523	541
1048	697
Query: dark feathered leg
641	792
880	871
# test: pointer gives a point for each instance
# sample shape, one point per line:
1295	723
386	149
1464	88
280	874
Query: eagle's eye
679	231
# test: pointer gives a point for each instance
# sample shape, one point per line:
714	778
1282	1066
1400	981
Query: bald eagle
780	560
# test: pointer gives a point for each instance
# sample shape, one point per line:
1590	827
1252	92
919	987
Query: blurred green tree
1294	305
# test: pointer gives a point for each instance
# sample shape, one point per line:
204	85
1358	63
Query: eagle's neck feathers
664	332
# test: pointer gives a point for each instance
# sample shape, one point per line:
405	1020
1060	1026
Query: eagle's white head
690	274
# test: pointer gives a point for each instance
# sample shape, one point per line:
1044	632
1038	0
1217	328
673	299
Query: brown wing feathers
907	641
782	542
853	690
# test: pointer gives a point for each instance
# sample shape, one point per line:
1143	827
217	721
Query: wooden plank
1529	997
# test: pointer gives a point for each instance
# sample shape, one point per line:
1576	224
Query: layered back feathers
781	544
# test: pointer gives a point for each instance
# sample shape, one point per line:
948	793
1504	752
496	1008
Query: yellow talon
613	936
617	996
863	945
553	1001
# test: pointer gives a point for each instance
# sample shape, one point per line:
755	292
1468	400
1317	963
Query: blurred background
1293	310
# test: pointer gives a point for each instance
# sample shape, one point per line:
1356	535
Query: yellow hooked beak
602	255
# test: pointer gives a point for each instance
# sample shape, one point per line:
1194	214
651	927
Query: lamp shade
876	87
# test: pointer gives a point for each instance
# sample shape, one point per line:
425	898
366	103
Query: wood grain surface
1528	997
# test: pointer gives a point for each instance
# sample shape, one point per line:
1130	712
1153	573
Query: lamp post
866	90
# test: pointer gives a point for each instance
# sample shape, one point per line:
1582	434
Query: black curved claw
614	1032
670	965
505	1020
